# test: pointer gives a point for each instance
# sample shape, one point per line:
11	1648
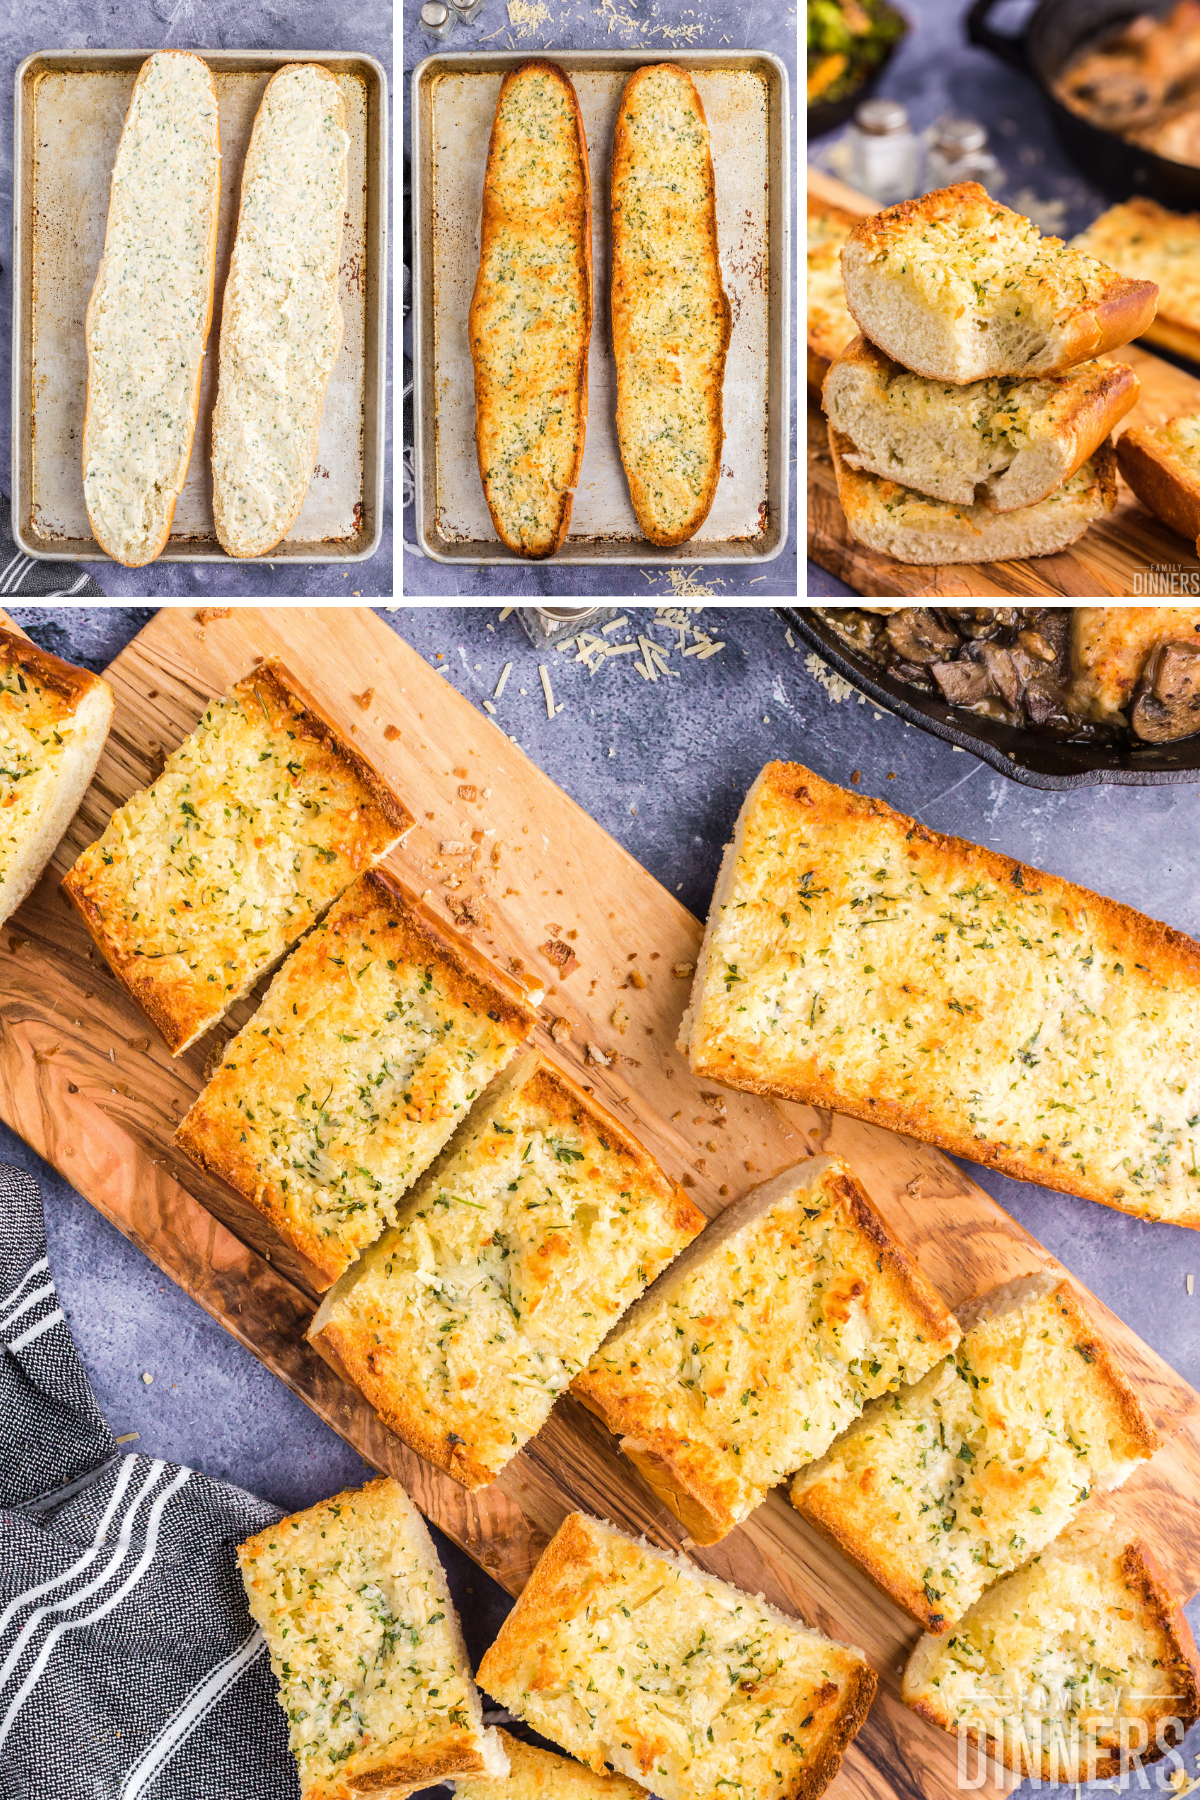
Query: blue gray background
664	771
362	25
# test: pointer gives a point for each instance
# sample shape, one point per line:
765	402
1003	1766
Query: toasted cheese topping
1147	242
363	1642
857	958
37	728
281	324
148	318
1058	1665
744	1363
1110	644
371	1044
531	312
201	881
515	1256
697	1691
537	1774
671	318
959	1479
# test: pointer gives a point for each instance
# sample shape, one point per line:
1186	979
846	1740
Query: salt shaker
468	10
883	152
437	19
958	152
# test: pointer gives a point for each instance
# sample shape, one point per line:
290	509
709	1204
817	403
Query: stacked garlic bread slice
762	1342
366	1648
281	324
671	320
537	1774
373	1041
150	310
531	312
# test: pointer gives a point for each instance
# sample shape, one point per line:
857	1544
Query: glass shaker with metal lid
883	152
437	19
958	152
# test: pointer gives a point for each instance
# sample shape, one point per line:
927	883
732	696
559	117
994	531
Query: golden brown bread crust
533	1770
180	1010
827	332
624	287
577	381
1160	479
1169	955
63	680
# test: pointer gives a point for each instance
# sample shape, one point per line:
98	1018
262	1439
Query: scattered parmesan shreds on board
506	612
835	685
505	672
613	625
488	707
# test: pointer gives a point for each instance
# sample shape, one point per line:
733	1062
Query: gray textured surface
936	71
685	753
657	26
364	25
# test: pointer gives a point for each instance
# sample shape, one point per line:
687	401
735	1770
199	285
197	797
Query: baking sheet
73	116
457	102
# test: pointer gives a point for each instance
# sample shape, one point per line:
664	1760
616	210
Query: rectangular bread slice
537	1774
915	529
148	317
54	720
855	959
531	312
671	321
202	880
1076	1668
830	327
1162	465
942	1488
537	1226
957	287
631	1657
281	323
1003	443
366	1648
1146	242
372	1042
762	1342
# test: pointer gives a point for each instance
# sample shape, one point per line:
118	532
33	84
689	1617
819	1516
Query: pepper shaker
437	19
883	152
958	152
468	10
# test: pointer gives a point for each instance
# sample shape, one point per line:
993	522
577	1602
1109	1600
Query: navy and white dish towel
129	1666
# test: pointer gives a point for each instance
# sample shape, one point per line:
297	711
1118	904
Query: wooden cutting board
88	1083
1104	561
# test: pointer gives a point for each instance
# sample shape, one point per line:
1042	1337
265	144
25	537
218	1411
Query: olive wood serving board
85	1079
1129	541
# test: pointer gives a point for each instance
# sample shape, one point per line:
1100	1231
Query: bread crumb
467	791
365	698
206	614
636	978
682	971
391	733
560	1030
600	1059
620	1019
560	954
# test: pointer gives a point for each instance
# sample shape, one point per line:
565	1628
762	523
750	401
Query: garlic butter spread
148	317
37	728
281	325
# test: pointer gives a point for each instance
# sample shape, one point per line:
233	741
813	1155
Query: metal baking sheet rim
779	323
375	321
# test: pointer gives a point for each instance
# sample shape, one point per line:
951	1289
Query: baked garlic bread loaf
830	327
366	1648
281	324
537	1774
957	287
1145	241
148	317
761	1343
631	1657
1161	463
1073	1668
940	1489
855	959
514	1254
54	720
671	321
372	1042
531	313
202	881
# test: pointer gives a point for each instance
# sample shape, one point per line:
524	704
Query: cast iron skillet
1032	757
1058	30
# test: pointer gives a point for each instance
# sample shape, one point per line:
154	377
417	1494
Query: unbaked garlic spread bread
671	321
1074	1668
763	1341
148	317
514	1255
947	1485
366	1648
537	1774
855	959
54	719
373	1041
281	324
630	1657
531	312
202	880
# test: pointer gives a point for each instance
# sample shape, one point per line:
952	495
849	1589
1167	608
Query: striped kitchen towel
129	1665
34	578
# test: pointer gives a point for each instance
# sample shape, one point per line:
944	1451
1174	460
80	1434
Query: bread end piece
1164	472
538	1774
